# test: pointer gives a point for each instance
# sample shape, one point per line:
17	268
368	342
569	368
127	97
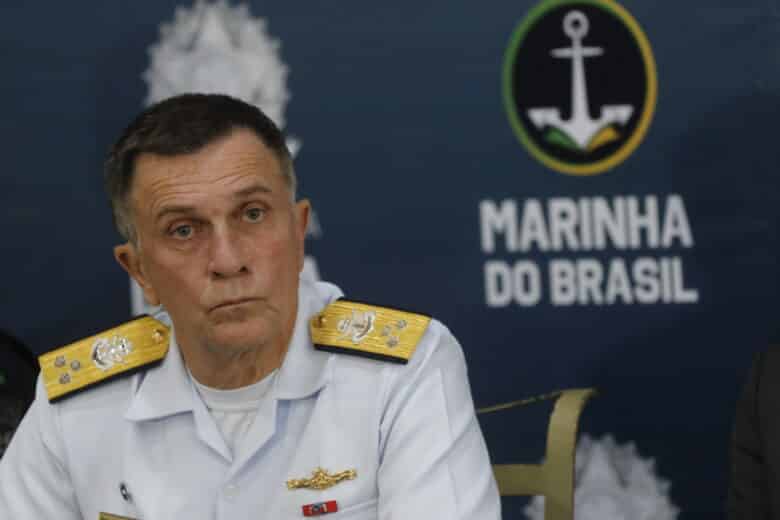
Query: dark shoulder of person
766	372
18	371
755	443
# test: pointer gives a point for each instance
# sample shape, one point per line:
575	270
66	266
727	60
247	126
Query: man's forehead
241	149
236	166
181	191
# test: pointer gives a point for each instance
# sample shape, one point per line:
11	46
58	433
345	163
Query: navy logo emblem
580	84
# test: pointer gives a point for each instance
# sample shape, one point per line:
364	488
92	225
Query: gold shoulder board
369	331
104	356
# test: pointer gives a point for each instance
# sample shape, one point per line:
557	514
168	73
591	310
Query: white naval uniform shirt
410	432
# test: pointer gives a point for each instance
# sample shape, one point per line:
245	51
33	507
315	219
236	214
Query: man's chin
240	335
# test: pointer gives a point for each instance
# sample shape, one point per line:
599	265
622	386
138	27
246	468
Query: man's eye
182	232
254	214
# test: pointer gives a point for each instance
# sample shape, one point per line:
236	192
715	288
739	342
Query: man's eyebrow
251	190
240	194
168	210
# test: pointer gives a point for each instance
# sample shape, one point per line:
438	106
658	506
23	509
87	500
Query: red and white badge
320	508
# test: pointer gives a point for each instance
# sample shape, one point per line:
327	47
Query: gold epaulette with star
104	356
369	331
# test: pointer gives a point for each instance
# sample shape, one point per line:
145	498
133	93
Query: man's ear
127	256
301	210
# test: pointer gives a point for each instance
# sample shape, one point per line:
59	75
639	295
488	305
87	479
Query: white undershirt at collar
235	410
244	399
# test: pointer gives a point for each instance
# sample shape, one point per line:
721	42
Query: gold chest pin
321	479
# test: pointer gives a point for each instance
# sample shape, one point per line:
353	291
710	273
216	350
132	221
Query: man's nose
227	257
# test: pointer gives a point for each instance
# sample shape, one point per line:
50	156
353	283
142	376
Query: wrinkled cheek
278	275
274	261
175	285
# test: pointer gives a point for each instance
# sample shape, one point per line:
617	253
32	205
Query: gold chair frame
554	478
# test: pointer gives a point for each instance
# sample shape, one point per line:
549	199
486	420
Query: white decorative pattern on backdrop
216	48
612	482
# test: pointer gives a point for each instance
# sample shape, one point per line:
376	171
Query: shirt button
231	491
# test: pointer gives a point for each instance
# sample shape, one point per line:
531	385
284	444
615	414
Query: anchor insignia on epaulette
368	330
358	326
107	352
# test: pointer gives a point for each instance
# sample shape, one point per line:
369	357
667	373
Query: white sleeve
434	461
34	481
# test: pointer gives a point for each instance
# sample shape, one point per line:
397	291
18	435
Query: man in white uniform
267	396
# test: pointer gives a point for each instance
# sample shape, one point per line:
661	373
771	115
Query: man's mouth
232	303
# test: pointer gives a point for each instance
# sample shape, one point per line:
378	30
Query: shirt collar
304	370
162	391
167	389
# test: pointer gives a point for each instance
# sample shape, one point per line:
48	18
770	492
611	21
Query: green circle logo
580	84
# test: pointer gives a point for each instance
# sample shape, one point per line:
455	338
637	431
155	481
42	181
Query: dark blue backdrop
399	108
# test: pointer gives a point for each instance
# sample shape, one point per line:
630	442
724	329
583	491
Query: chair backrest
554	479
